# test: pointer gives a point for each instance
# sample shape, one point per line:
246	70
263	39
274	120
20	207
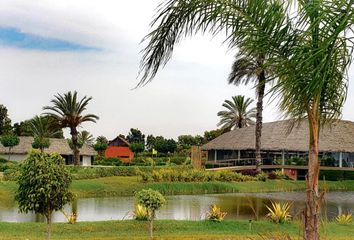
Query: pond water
190	207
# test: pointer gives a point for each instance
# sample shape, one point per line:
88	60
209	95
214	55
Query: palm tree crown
238	114
67	111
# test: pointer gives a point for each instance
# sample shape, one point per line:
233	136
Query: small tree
152	200
137	147
43	185
9	141
101	145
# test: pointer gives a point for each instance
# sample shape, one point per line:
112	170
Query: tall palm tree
246	69
238	114
68	111
308	43
42	129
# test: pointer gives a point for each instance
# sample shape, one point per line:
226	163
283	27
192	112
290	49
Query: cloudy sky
49	47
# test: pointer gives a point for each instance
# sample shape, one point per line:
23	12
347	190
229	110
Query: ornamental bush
43	185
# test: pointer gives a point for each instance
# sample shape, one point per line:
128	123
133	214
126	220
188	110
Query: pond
187	207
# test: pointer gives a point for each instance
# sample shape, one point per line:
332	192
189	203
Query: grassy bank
126	186
166	229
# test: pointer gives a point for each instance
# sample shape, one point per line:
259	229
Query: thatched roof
337	137
60	146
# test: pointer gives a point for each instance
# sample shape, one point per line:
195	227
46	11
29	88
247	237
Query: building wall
86	160
14	157
124	153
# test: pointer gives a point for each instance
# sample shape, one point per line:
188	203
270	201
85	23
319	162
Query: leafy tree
238	114
43	185
137	147
5	121
212	134
67	111
150	142
9	141
101	145
187	141
308	44
136	136
165	145
152	200
86	137
42	129
245	69
24	128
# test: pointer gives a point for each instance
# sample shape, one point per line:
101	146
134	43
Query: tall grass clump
278	212
192	175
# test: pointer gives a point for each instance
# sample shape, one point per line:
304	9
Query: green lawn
167	229
126	186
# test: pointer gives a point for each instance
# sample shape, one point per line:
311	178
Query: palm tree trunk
76	151
312	210
260	96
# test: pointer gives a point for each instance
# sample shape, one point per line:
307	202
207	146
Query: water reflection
192	207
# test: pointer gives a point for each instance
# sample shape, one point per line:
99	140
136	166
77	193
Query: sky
94	47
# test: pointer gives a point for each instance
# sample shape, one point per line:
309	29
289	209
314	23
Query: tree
165	145
5	121
136	136
101	145
238	114
86	137
210	135
150	142
67	112
152	200
42	129
137	147
246	69
24	128
308	44
9	141
43	185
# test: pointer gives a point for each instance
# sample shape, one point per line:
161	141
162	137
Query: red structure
120	148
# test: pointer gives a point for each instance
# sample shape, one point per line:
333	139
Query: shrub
140	213
262	176
328	161
215	214
152	200
344	219
249	172
278	212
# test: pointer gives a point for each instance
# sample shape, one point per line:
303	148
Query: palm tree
238	114
246	69
67	111
308	43
42	129
86	138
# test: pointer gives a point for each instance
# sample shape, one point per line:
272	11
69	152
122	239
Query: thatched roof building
60	146
279	136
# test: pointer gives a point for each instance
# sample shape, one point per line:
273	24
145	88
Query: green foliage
328	161
186	141
9	140
79	144
238	113
43	184
136	136
192	175
5	121
262	176
101	144
140	213
112	161
279	212
336	175
150	199
85	137
5	165
215	214
40	143
210	135
38	126
344	219
298	161
137	147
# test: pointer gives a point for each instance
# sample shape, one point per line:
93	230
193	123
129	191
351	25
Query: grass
127	186
165	229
